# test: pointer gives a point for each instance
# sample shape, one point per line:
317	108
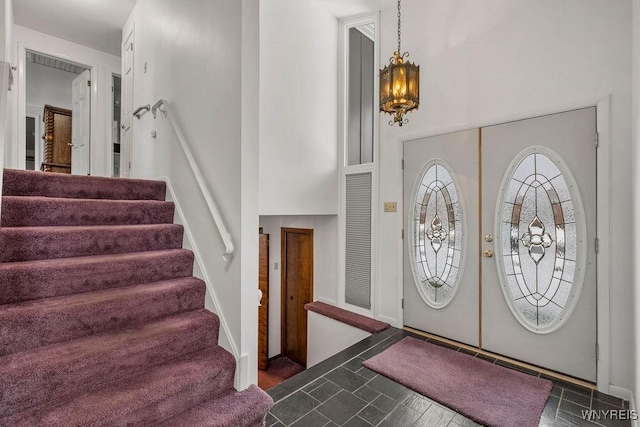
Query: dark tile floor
341	392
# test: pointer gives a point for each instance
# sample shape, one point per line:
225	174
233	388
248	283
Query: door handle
70	144
488	253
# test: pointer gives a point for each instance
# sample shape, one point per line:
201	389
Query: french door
500	248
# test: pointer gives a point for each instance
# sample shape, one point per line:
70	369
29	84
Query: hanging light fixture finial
399	84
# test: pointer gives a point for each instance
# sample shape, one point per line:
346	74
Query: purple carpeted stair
101	321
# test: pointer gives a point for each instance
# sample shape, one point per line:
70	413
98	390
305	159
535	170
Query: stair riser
24	244
74	368
240	409
189	397
146	400
43	279
43	212
41	323
28	183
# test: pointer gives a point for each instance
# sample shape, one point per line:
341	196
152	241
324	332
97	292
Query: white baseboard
328	301
621	393
224	326
632	407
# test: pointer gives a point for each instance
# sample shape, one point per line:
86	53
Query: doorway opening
116	90
62	144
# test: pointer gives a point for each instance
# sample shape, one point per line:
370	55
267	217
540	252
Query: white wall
483	60
192	54
3	28
6	54
46	85
6	28
103	66
325	264
635	143
298	108
327	336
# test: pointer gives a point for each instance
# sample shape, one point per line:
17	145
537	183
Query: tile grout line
559	402
328	372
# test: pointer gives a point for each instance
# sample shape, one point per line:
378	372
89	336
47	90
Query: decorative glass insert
539	239
436	234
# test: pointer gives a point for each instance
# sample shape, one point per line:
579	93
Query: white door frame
603	223
38	143
22	97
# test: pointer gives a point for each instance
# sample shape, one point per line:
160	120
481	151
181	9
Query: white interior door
81	123
539	290
441	235
126	136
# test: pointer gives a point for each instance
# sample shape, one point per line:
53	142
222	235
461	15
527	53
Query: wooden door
263	309
57	140
297	290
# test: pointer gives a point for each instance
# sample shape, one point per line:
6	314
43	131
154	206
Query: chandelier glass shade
399	85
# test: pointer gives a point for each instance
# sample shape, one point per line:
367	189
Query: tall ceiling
94	23
98	23
344	8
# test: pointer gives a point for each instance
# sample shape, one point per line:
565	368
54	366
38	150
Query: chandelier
399	85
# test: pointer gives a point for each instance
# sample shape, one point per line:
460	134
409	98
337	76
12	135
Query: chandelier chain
399	51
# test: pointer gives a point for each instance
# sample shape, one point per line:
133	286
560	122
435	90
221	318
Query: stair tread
236	409
80	228
36	323
22	182
45	278
90	259
150	394
32	377
25	211
104	202
31	243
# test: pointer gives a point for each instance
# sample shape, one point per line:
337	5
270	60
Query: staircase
101	320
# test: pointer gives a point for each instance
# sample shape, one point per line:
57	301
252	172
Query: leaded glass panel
538	239
436	234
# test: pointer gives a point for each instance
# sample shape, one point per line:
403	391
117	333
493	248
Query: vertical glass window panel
539	239
361	98
436	243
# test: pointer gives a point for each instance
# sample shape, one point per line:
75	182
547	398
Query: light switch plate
390	206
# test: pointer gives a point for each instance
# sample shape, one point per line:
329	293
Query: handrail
215	213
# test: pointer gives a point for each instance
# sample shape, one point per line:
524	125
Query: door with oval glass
500	248
441	250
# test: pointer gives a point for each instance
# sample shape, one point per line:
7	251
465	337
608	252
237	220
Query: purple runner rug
489	394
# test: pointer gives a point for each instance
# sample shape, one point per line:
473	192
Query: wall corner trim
205	277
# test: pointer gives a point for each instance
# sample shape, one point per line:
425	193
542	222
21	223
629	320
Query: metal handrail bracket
141	110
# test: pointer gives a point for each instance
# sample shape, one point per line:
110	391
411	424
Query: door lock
488	253
488	238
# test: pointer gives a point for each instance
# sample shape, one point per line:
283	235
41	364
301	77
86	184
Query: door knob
488	253
488	238
69	144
